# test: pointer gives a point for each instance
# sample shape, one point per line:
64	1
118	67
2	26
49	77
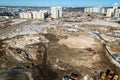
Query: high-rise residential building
98	9
25	15
22	15
113	12
39	14
115	6
117	13
103	10
85	10
56	12
91	9
34	14
2	9
110	12
29	15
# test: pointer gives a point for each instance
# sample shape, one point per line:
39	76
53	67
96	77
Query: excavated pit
43	57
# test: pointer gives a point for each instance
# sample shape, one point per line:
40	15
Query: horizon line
49	6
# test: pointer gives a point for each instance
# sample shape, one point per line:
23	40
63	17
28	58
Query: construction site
51	49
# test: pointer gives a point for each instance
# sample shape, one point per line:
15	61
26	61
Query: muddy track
47	73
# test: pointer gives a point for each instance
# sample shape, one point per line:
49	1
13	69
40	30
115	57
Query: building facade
25	15
115	6
117	13
98	9
56	12
34	14
113	12
110	12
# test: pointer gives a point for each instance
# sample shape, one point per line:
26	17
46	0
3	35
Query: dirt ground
80	41
56	55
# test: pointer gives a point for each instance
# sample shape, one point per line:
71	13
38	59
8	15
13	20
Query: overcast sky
63	3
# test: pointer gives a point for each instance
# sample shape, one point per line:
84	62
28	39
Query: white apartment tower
117	13
56	12
34	14
113	12
98	9
103	10
25	15
115	6
110	12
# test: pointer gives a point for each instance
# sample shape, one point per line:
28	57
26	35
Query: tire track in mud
47	73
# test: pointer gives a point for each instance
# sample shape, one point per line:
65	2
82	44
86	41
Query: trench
47	73
44	69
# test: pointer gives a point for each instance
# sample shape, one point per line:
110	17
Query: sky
63	3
